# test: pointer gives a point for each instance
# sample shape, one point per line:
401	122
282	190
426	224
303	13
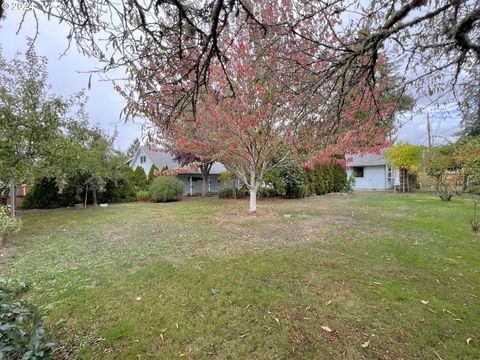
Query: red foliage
265	109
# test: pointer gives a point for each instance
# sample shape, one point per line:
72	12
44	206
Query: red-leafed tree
264	123
259	115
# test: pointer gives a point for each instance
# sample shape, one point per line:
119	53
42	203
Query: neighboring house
20	192
372	172
147	156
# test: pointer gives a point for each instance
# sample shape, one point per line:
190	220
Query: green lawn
201	279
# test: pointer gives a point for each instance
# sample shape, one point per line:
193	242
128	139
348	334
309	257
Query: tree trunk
94	194
253	199
205	179
234	187
12	198
205	170
86	192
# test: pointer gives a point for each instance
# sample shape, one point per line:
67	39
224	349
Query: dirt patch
239	216
243	232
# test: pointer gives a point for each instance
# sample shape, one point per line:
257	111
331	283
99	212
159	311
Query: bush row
127	185
295	182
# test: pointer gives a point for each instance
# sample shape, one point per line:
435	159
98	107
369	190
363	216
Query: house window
357	171
143	159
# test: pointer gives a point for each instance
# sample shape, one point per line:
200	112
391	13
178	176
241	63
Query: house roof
368	159
161	158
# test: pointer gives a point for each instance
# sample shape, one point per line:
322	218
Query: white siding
136	161
373	178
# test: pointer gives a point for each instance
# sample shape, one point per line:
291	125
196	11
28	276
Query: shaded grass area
201	279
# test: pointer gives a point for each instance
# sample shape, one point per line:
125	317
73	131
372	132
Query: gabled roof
161	158
368	159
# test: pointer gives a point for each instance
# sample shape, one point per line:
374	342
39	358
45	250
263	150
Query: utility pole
429	131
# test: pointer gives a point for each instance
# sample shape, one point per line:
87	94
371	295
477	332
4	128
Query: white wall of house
138	161
374	178
195	186
192	183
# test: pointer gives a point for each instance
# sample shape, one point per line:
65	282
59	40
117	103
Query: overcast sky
105	104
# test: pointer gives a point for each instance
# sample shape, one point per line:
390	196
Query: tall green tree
443	166
470	106
133	147
151	173
407	158
86	160
141	180
30	117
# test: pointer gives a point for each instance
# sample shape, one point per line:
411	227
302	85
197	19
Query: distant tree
151	173
467	156
441	164
407	158
141	178
470	106
254	132
85	160
133	147
30	118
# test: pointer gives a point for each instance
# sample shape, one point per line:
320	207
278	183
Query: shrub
350	184
43	195
325	179
143	195
22	335
166	188
294	179
120	188
151	174
273	185
8	225
299	191
339	178
227	193
141	181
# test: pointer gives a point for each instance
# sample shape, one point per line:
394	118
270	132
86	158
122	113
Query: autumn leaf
326	328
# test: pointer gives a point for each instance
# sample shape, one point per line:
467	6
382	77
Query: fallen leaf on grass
278	321
449	312
365	344
326	328
138	298
469	340
349	238
438	356
424	302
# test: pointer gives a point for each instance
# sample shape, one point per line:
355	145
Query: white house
147	156
371	172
